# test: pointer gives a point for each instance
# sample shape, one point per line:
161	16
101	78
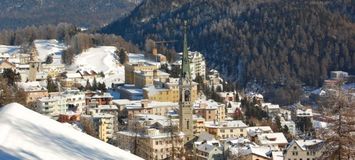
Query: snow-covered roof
226	124
253	131
206	147
304	113
25	134
31	86
303	144
206	104
272	138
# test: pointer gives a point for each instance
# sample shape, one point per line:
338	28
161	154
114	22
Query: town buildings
226	129
310	149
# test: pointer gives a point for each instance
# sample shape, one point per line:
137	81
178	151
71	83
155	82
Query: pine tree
123	57
88	85
94	85
339	138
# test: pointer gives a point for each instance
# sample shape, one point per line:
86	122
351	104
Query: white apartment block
51	106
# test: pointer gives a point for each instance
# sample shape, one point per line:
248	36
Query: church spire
185	71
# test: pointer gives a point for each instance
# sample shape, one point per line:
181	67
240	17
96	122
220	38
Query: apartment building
210	110
304	150
131	68
226	129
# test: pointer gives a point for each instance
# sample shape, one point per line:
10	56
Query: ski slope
101	59
48	47
25	134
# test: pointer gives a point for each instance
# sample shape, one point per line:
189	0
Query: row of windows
231	130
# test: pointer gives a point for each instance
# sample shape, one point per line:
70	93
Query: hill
83	13
26	134
278	43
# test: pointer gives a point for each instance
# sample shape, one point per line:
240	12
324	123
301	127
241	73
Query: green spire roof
185	68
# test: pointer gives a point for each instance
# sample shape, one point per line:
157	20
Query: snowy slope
48	47
25	134
101	59
10	49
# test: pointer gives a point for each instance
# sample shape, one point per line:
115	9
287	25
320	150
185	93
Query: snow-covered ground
101	59
48	47
25	134
10	50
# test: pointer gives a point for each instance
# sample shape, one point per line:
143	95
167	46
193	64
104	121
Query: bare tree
340	135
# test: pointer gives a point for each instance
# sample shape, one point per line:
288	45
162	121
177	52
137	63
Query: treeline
280	44
72	36
83	41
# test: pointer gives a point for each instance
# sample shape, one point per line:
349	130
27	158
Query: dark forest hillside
84	13
273	42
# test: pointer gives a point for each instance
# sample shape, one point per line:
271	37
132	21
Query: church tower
35	65
185	88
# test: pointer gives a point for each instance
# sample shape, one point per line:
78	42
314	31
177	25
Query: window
188	124
222	130
156	143
294	147
231	130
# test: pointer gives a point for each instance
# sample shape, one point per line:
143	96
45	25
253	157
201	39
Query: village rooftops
304	144
254	131
32	86
206	104
272	138
150	104
103	95
206	147
226	124
99	115
50	99
304	113
152	133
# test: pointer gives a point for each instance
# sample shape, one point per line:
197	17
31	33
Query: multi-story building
55	105
291	125
167	91
69	117
146	78
98	99
151	144
33	90
228	96
149	107
210	110
129	91
151	137
226	129
253	132
214	80
277	141
52	106
102	123
304	149
198	125
197	64
131	68
206	147
74	99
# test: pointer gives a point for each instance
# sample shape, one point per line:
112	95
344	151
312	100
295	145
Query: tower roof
185	68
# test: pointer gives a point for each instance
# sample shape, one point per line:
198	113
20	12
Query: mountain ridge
83	13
